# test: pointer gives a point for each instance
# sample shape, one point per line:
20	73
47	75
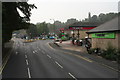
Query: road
39	60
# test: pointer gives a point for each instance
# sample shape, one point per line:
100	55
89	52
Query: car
43	38
57	40
52	37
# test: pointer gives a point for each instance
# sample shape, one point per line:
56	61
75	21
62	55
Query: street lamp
54	25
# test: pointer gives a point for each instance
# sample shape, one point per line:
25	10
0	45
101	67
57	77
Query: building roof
85	24
109	26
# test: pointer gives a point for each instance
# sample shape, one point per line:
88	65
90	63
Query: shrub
92	50
118	56
110	53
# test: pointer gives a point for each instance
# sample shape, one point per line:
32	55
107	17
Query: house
105	35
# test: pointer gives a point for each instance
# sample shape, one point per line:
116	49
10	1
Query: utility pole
53	24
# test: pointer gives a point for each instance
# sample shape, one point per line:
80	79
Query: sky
52	10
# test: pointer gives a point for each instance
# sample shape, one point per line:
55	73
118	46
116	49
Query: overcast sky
65	9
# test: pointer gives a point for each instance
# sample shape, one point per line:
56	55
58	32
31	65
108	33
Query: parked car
57	40
52	37
43	38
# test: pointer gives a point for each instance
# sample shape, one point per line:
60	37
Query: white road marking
33	51
48	56
72	76
27	62
29	75
16	53
25	56
58	64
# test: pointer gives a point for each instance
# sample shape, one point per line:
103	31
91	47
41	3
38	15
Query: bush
91	50
94	50
118	56
110	53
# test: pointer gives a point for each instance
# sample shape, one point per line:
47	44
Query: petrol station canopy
83	25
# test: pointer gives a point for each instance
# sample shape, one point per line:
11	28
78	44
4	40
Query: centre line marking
16	53
33	51
48	56
27	62
29	75
25	56
58	64
72	76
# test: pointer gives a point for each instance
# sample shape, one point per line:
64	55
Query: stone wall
103	43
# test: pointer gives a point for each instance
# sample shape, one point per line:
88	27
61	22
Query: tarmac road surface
39	60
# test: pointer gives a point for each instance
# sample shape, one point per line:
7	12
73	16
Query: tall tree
11	19
42	28
32	31
94	18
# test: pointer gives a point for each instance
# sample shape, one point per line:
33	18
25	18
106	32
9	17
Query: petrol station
79	29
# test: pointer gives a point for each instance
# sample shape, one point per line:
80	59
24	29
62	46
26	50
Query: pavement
67	45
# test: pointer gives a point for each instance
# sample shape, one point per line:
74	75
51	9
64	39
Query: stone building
105	35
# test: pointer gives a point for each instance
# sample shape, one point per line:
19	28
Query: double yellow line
84	58
50	46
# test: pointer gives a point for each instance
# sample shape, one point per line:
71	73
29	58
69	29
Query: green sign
63	38
103	35
62	33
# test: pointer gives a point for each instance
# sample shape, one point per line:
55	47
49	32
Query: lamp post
54	25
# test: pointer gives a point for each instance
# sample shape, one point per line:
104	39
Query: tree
32	31
71	21
94	18
50	27
11	20
42	28
101	18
